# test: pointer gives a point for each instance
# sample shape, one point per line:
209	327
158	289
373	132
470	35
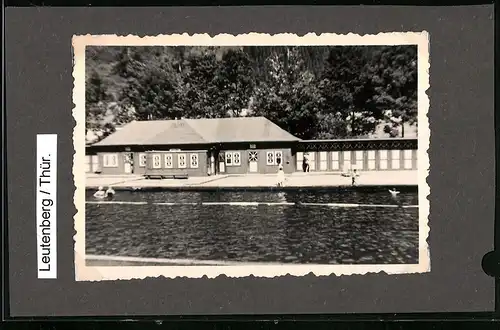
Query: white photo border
88	273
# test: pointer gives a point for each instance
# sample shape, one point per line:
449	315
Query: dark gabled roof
197	131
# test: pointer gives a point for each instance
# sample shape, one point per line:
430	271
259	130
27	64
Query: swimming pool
225	226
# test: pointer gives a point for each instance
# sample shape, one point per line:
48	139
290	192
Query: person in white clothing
354	176
110	192
280	177
100	193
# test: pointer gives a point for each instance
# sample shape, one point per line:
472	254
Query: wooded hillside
312	92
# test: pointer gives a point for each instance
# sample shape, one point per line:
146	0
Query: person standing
354	176
280	177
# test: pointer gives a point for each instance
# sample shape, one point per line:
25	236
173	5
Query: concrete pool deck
293	180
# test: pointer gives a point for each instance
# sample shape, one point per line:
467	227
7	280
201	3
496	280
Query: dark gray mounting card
267	247
238	160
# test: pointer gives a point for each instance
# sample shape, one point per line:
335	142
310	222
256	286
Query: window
142	160
395	163
300	159
229	158
110	160
233	158
323	160
88	163
408	159
236	159
270	158
359	159
311	158
347	161
383	159
181	161
95	163
156	161
371	160
278	157
253	156
169	161
194	160
335	160
274	158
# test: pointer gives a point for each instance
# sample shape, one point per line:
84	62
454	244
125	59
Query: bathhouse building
195	147
341	155
200	147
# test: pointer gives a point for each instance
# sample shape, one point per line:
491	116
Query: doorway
253	161
221	160
128	163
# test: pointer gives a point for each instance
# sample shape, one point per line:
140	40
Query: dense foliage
312	92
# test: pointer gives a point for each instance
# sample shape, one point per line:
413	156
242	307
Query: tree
199	91
347	92
98	117
289	97
153	92
234	82
394	75
331	126
95	90
312	92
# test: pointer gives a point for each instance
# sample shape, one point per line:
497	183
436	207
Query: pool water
282	233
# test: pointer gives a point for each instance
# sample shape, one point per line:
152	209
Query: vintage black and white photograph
251	155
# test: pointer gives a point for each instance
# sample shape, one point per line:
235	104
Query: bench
170	176
153	176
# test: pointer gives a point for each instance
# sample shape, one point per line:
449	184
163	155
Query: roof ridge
199	130
271	124
172	121
189	122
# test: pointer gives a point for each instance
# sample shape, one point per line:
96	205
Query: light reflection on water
275	233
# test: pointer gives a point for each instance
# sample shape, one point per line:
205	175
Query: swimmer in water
110	193
394	195
394	192
100	193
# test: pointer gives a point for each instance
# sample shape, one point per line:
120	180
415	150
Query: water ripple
274	233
